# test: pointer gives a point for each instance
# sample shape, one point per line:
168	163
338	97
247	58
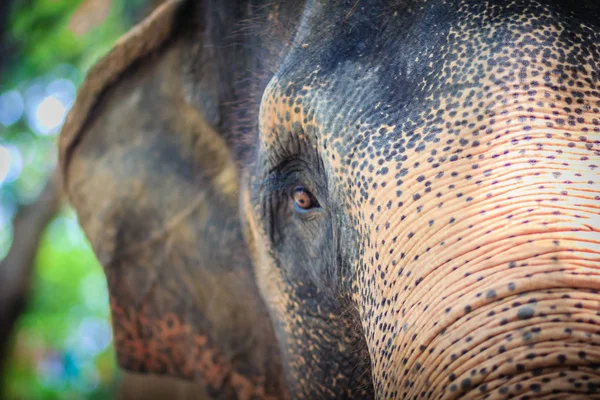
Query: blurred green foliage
62	347
44	38
62	344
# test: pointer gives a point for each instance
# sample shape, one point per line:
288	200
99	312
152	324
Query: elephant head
349	199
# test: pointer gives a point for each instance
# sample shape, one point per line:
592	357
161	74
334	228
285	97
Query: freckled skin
473	201
452	150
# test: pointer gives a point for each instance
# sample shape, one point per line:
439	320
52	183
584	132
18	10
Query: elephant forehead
493	72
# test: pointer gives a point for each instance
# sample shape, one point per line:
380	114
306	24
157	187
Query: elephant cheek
494	295
272	288
268	277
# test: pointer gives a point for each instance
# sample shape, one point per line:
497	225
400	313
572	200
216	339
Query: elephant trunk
517	336
487	284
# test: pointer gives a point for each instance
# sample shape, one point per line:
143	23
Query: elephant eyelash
279	186
267	193
279	181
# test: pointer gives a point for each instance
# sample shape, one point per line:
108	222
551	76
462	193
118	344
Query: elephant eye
303	199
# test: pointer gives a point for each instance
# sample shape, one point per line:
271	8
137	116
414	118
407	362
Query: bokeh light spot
11	107
11	164
50	114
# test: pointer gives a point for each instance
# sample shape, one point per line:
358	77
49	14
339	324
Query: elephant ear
156	192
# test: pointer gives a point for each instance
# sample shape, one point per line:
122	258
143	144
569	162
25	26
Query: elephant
349	199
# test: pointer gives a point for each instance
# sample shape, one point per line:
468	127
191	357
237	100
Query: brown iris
303	199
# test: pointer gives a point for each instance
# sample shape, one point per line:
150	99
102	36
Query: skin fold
447	152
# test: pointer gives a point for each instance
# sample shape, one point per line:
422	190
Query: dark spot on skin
465	384
525	313
535	388
561	358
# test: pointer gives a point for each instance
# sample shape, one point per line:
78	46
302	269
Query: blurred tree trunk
4	9
16	269
5	6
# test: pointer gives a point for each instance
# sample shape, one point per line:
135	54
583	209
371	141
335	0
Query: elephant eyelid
278	185
274	184
280	179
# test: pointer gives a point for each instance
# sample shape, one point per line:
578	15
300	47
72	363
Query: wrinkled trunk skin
485	284
498	275
502	299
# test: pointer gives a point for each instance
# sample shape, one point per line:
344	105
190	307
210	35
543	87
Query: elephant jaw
496	265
